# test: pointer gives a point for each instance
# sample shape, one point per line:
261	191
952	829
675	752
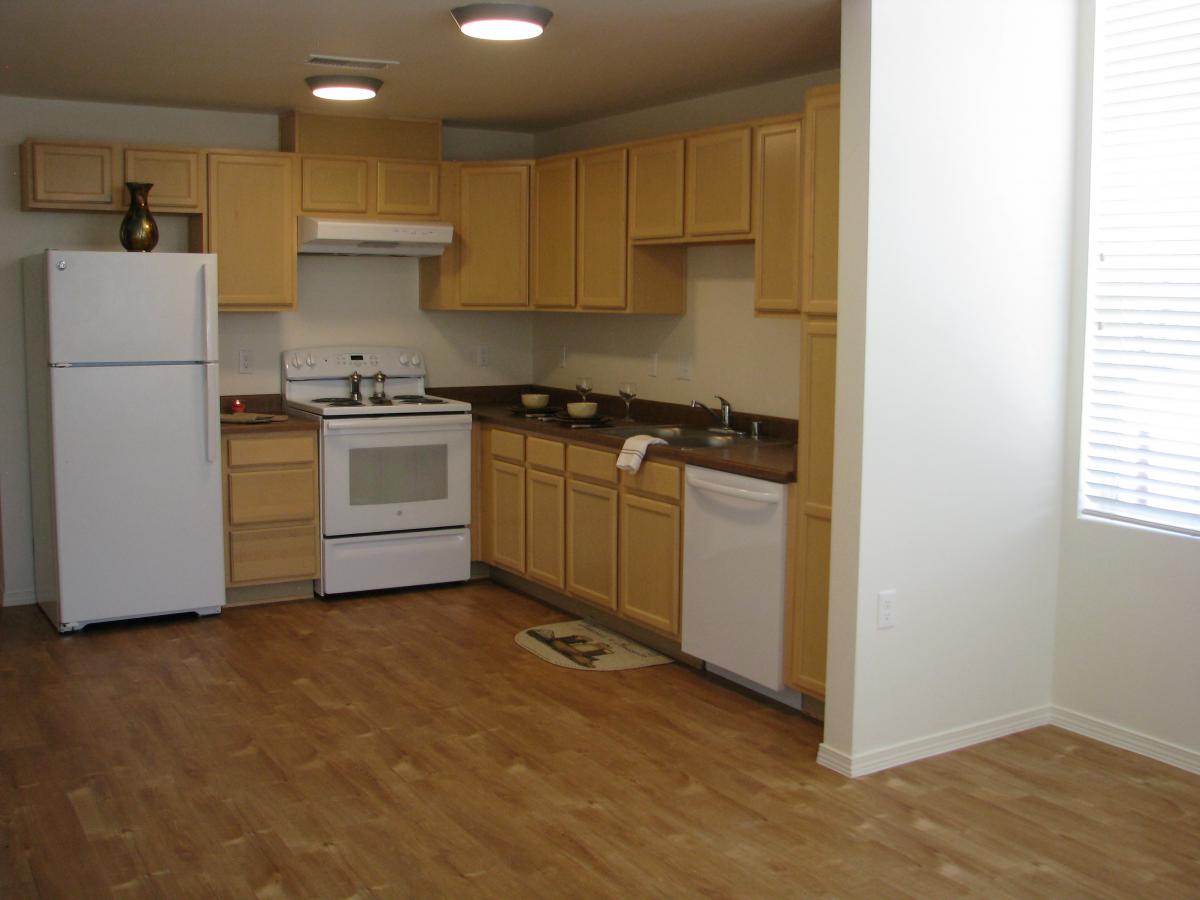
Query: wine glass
583	384
627	390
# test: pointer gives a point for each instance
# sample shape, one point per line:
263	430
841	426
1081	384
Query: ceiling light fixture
501	21
343	87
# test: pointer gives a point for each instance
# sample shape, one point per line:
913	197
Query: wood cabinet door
822	128
553	231
717	198
779	175
808	610
650	546
406	188
494	227
70	176
252	229
656	190
177	176
333	185
262	555
592	542
544	527
506	517
600	271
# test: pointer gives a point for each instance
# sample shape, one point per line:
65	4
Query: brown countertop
293	423
771	461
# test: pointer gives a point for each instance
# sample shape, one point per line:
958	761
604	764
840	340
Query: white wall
373	299
339	299
1125	654
752	362
775	98
962	331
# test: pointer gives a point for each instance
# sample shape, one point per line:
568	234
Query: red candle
239	406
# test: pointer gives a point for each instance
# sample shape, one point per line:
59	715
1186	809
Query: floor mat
581	645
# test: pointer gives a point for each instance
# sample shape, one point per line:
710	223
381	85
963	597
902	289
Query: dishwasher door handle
740	493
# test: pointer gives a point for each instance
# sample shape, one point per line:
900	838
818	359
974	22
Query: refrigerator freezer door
131	307
137	501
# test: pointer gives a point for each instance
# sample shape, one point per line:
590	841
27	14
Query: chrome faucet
722	417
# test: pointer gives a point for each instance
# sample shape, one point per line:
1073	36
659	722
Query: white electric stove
395	467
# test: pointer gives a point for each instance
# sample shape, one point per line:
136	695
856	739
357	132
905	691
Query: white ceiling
597	57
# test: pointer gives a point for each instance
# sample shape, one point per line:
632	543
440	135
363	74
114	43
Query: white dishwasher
734	570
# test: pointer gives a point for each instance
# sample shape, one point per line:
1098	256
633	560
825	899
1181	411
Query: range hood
358	237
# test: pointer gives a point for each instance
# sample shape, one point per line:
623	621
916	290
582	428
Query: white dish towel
630	457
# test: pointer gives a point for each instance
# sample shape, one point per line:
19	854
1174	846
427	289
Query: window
1141	409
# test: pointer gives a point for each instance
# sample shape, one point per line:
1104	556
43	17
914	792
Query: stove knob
309	361
416	359
404	359
295	360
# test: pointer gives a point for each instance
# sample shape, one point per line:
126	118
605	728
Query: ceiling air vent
349	62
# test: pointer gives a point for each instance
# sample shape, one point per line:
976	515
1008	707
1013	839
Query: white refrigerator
125	461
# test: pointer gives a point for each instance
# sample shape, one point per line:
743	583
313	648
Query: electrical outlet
483	355
562	357
245	362
685	369
886	612
654	365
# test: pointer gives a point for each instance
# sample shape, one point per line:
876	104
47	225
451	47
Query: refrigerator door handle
210	431
208	288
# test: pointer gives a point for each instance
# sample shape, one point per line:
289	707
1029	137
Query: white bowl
581	410
535	401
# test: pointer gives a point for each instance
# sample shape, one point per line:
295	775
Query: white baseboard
854	766
1126	739
19	598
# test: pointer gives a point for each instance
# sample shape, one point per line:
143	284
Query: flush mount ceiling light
343	87
501	21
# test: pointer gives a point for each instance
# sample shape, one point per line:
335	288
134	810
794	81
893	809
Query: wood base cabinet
808	609
271	532
649	554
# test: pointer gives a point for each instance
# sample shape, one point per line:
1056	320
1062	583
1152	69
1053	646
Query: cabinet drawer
545	454
273	554
272	495
271	451
655	478
508	444
588	463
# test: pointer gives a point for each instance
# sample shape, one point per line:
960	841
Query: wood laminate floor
403	746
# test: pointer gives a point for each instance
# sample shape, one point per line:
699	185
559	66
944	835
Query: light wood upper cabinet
553	227
405	188
252	229
69	176
656	189
717	197
650	548
494	232
178	177
808	607
600	274
822	126
330	184
778	190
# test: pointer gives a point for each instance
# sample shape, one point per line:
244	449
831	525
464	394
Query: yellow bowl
581	410
535	401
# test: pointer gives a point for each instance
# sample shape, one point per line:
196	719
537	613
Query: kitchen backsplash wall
355	299
754	362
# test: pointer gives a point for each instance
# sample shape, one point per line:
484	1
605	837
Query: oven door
395	473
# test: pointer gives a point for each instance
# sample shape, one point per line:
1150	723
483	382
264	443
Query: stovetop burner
338	401
417	398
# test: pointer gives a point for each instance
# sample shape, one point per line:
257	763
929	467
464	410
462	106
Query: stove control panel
339	362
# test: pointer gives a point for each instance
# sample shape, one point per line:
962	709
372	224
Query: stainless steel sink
679	436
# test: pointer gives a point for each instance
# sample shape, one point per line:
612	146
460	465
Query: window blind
1141	416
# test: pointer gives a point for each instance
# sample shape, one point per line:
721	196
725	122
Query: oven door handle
388	424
